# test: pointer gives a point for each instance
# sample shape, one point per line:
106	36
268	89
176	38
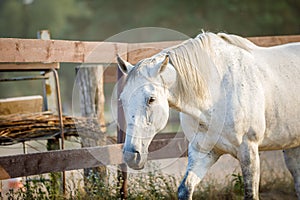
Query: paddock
47	55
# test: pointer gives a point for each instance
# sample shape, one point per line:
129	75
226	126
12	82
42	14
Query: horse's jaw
135	166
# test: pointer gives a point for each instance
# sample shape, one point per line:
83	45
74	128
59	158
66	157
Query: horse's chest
227	143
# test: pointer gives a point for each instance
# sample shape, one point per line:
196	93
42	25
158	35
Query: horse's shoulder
237	41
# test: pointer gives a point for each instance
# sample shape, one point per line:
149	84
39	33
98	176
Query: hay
24	127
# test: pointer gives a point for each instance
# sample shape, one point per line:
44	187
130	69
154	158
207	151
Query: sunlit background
97	20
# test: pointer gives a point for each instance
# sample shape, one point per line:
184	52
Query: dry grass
275	184
156	186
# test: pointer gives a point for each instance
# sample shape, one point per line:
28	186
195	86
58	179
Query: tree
18	19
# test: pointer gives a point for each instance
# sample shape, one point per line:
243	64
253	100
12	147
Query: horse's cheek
162	118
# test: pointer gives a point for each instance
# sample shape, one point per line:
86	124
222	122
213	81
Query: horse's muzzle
134	159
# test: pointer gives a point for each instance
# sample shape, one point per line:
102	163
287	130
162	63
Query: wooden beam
267	41
138	51
49	51
63	160
60	160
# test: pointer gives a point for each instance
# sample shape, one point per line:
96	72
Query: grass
143	187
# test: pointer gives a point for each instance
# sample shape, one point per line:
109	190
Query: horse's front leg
250	164
198	164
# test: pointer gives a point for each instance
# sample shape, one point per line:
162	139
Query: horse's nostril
134	159
138	155
132	155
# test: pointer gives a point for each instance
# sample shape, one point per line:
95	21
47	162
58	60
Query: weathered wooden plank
33	50
138	51
60	160
267	41
27	104
63	160
48	51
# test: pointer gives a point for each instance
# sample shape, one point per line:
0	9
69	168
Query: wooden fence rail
31	53
63	160
52	51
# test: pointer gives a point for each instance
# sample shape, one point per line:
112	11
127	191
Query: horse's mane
237	41
191	61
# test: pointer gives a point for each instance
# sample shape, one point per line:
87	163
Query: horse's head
145	103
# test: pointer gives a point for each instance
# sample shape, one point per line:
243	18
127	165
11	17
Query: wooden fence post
92	99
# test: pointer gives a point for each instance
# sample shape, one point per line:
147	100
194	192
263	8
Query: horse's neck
189	108
219	53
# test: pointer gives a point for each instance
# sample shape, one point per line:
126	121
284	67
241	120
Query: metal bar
62	135
29	66
59	106
45	100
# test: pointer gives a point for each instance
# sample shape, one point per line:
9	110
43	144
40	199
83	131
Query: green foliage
238	184
40	189
96	188
18	19
101	19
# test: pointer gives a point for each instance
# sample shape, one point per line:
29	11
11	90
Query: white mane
237	41
193	64
191	61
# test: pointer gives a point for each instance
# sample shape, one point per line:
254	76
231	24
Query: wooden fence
37	54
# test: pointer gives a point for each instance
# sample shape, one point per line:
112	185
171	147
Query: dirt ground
277	195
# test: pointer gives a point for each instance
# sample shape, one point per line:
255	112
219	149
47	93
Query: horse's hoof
183	192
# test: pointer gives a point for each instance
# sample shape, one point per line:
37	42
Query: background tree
100	19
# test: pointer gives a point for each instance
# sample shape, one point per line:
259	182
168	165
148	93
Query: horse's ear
162	66
164	63
124	66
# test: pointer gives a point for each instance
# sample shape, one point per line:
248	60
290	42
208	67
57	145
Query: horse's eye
151	100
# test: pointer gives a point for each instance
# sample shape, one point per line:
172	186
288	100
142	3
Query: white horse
234	97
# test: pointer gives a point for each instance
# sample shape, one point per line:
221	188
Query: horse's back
280	67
